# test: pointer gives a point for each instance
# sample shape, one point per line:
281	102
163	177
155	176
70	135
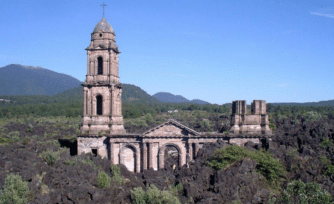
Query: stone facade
255	123
102	131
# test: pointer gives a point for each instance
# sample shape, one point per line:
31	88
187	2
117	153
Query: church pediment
171	128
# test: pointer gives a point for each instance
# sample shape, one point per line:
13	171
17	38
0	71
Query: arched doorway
99	105
169	156
99	65
128	158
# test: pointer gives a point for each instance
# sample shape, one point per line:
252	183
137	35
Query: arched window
99	66
99	105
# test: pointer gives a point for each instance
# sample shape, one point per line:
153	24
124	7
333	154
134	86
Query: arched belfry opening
99	105
99	65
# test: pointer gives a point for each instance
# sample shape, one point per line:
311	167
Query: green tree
103	180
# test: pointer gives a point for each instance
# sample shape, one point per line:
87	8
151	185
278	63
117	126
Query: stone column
138	160
145	156
94	106
190	150
85	101
150	156
89	102
196	149
161	159
112	157
182	157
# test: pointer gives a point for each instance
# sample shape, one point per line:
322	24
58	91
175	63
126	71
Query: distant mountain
198	101
16	79
166	97
131	93
319	103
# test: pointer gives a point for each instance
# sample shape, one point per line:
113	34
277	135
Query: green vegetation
268	166
272	126
299	192
71	162
51	157
329	167
117	178
326	143
103	180
15	190
154	196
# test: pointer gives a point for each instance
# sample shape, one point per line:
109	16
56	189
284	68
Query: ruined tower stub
239	107
102	107
255	123
258	107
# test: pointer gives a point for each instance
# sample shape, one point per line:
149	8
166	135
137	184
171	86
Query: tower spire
103	5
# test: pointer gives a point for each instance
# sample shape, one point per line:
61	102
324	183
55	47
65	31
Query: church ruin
102	130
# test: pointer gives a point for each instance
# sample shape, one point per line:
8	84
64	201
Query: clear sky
214	50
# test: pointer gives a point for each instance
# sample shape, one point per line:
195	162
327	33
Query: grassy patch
267	165
51	157
153	195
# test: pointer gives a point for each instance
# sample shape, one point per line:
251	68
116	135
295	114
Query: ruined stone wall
87	144
243	141
255	123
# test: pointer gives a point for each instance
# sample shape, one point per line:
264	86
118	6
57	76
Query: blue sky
218	51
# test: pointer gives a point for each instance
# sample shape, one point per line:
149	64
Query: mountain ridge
167	97
16	79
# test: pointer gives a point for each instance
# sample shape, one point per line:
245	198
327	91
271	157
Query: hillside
166	97
319	103
17	79
131	93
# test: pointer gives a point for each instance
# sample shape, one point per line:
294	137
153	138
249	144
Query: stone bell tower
102	107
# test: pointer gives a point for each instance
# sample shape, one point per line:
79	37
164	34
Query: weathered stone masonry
102	130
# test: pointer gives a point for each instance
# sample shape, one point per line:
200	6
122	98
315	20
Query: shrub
153	195
117	178
148	118
272	126
103	180
326	143
138	196
25	141
299	192
87	161
269	167
70	162
175	190
139	122
329	168
50	157
30	128
15	190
